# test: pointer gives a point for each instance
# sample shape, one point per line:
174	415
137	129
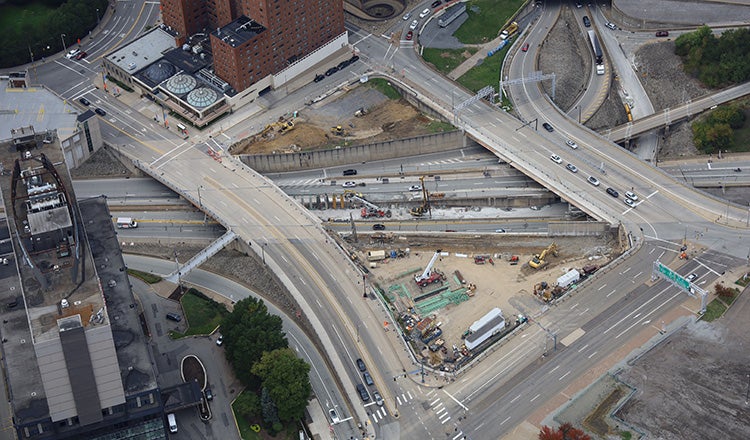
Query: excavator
281	127
538	260
419	211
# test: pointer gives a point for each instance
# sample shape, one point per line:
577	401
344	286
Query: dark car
662	33
363	392
361	365
174	317
436	3
353	59
525	47
548	127
613	192
332	70
368	379
84	101
378	227
81	55
342	65
209	394
586	21
350	172
319	78
100	112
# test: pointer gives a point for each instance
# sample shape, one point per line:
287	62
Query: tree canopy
566	431
249	331
715	131
285	377
716	62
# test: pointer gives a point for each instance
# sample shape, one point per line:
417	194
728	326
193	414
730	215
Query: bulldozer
538	261
338	130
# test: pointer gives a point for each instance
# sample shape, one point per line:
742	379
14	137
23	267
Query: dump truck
509	31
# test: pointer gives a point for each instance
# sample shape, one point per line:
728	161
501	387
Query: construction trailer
486	327
570	277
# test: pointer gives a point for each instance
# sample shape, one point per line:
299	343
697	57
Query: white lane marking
592	354
534	398
563	376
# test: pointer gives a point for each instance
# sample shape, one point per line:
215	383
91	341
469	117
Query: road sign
673	276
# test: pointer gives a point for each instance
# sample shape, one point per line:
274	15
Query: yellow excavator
419	211
538	260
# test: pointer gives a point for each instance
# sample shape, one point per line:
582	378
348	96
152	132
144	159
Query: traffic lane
142	187
171	230
320	377
494	228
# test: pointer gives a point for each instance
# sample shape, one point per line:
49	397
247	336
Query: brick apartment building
251	39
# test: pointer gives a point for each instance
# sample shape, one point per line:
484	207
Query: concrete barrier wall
578	228
431	143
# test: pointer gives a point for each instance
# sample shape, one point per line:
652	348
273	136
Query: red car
410	35
662	33
81	55
525	47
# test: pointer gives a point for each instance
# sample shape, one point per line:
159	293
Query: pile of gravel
102	163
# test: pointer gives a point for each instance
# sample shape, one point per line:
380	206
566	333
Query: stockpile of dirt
102	163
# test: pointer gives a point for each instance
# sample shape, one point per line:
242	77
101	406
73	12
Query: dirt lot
497	285
694	386
385	120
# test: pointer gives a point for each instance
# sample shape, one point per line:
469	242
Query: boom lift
370	209
430	275
538	260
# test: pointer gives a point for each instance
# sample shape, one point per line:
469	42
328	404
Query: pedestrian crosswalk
443	414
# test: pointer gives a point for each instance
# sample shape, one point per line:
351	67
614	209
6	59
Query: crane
537	261
429	275
370	209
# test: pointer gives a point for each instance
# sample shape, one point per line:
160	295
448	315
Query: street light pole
62	38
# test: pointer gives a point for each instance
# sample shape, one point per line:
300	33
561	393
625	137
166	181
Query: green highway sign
674	277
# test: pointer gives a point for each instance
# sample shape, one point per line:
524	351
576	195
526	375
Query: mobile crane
430	275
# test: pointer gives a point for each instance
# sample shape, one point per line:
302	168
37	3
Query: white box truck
126	223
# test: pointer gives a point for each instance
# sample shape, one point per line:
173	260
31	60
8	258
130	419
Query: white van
126	223
172	423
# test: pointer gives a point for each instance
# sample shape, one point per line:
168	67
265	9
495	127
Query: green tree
716	61
711	138
286	377
729	114
248	332
268	407
247	405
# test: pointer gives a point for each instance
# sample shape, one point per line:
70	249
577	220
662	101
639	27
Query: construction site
454	295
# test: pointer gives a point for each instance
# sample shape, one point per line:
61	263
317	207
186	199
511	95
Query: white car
571	144
72	53
631	195
407	16
220	340
334	416
630	202
415	188
593	180
555	158
414	24
424	13
691	277
349	184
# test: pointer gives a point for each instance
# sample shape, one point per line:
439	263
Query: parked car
586	21
662	33
350	172
424	13
319	78
631	195
525	47
332	70
368	379
334	416
414	24
363	392
100	111
81	55
220	340
691	277
209	394
415	188
84	101
410	34
571	144
349	184
613	192
436	3
571	167
555	158
361	365
407	16
593	180
174	317
548	127
353	59
378	227
630	202
343	65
